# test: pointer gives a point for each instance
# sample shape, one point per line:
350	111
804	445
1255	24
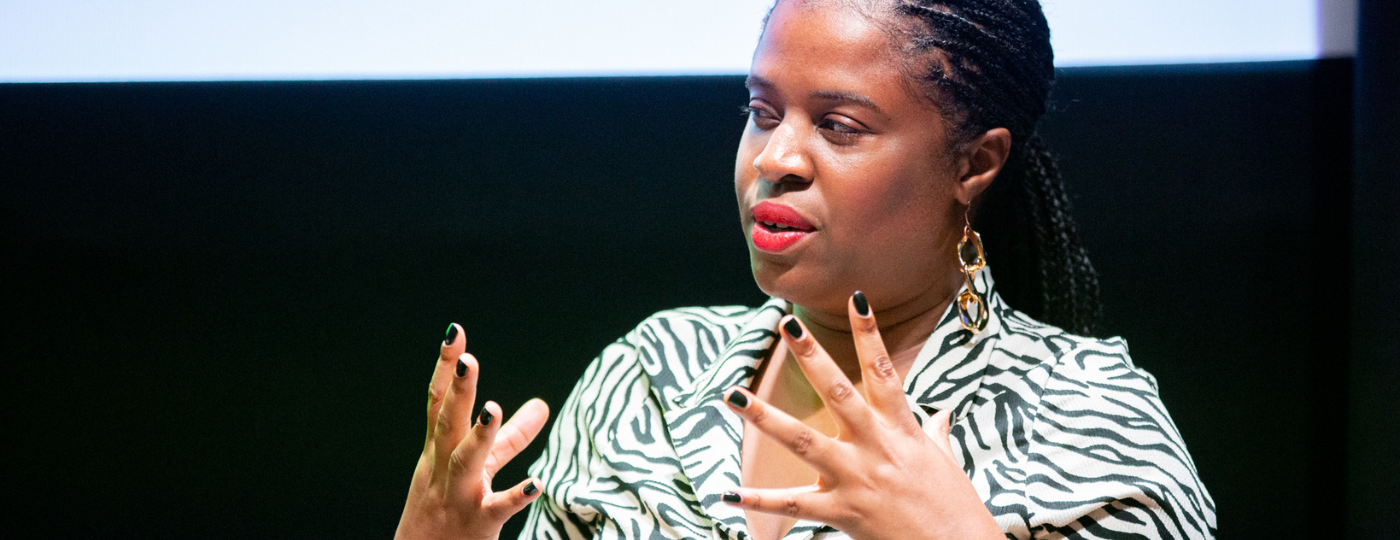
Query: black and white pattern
1061	435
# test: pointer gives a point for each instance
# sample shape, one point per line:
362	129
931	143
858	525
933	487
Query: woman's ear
986	155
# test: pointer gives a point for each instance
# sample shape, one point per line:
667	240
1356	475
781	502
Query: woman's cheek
749	148
885	219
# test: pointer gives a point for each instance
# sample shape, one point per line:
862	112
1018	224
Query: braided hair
989	64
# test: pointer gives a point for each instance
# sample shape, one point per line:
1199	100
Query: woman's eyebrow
832	95
754	81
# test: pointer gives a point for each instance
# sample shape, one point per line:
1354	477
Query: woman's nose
784	158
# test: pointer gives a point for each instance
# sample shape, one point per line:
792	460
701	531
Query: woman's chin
808	286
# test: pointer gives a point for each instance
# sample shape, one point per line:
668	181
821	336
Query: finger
469	458
943	432
806	502
516	434
883	388
806	443
503	504
456	413
846	405
453	343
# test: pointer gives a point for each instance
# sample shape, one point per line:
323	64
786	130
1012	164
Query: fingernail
793	328
737	399
530	490
461	368
731	497
451	335
862	306
485	417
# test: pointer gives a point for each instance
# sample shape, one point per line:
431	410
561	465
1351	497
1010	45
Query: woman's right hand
451	496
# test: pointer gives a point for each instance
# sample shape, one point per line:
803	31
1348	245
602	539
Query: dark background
225	299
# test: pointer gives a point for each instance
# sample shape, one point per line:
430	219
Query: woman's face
850	170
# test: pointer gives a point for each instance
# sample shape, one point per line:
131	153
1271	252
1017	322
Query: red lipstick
777	227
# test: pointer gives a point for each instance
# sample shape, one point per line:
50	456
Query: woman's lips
777	227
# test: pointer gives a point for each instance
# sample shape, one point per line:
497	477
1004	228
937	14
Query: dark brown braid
989	64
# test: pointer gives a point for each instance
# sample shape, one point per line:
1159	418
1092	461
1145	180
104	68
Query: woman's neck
904	328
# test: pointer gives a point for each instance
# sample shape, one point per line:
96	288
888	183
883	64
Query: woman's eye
761	117
838	128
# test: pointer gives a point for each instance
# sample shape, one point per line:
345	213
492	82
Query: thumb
942	432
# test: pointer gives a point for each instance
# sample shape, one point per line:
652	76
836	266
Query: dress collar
946	374
707	436
948	371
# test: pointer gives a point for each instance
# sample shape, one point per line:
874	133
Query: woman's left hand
882	476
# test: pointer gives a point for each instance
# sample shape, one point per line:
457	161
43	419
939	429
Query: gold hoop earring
978	322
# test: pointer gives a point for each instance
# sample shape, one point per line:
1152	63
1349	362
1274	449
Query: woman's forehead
823	47
835	22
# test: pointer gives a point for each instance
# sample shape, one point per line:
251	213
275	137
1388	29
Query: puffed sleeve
570	459
1105	459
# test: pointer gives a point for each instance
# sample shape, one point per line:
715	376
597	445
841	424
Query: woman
922	407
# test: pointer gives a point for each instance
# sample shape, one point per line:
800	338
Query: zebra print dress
1061	435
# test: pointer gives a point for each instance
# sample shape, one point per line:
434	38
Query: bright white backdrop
144	40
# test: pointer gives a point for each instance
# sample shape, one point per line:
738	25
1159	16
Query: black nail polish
451	335
793	328
530	489
862	306
731	497
485	417
738	400
461	368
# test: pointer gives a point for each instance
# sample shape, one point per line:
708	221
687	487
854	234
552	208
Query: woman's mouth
777	227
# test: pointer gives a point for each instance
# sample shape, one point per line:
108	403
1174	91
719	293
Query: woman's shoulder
1068	356
1102	444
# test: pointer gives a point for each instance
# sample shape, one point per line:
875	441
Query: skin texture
835	134
886	195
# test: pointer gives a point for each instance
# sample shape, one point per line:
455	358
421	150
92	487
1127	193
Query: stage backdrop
226	298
